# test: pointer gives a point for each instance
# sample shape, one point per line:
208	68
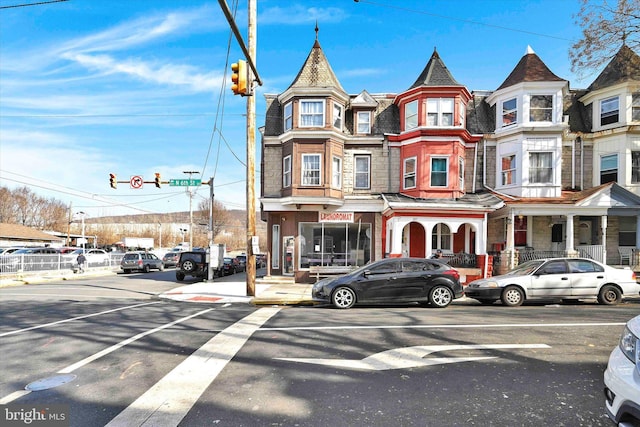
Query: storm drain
50	382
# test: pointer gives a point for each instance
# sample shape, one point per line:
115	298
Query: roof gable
435	74
624	66
530	69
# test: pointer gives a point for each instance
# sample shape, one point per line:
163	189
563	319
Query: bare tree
606	26
221	217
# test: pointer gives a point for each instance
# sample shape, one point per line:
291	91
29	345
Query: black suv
193	264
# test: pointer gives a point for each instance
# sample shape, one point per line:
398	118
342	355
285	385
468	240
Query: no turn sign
136	181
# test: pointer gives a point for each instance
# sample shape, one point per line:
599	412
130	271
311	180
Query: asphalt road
130	359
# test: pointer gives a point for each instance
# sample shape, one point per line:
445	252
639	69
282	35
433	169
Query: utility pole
190	209
251	156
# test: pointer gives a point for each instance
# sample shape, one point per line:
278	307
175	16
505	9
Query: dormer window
337	116
363	124
509	112
440	112
311	113
288	116
609	111
411	115
541	108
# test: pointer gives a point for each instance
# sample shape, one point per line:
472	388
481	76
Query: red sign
136	181
335	216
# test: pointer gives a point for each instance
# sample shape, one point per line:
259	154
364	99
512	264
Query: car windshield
526	268
131	256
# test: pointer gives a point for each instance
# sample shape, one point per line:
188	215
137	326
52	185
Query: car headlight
629	344
489	284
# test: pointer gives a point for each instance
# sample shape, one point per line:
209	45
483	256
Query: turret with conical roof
530	69
435	73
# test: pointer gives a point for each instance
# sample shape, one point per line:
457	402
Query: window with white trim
311	113
336	173
364	122
609	111
288	116
541	168
541	108
286	172
508	171
441	237
608	168
337	116
635	107
409	177
440	112
439	171
635	167
362	167
411	115
461	173
509	112
311	169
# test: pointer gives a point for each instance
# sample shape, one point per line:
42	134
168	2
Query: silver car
557	278
140	261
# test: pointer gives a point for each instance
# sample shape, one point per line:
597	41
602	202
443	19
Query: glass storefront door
288	245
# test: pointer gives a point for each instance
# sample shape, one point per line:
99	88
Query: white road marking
447	326
169	400
17	331
410	357
15	395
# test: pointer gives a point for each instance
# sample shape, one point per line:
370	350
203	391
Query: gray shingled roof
481	201
624	66
316	71
435	74
530	69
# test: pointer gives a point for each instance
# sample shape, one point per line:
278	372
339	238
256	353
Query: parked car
94	257
33	259
170	259
403	280
229	266
242	262
192	263
622	377
140	261
556	278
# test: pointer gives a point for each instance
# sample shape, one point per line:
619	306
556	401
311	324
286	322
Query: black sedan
426	281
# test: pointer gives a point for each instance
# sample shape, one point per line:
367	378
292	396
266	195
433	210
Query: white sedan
556	278
94	256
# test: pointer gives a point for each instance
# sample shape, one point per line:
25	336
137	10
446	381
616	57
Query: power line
468	21
40	3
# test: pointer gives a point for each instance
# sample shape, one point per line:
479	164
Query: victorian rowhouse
437	204
563	162
325	162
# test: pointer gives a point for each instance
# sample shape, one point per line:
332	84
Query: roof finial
316	30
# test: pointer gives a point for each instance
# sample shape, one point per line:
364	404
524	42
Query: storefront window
334	244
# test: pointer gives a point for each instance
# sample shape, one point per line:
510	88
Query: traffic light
113	180
158	180
239	77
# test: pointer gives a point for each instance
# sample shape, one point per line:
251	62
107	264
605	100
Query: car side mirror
366	273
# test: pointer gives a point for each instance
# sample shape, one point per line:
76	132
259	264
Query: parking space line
169	400
17	331
447	326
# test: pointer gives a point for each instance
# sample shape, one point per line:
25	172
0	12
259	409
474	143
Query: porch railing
461	260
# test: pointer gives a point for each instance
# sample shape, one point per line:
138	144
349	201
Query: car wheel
179	276
440	296
609	295
486	301
188	266
147	268
512	296
343	298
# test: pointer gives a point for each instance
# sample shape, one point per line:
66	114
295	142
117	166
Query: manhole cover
47	383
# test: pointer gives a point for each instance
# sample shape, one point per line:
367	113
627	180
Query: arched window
441	237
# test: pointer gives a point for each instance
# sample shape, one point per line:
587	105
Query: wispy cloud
299	14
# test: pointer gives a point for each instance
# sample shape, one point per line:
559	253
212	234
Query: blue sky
92	87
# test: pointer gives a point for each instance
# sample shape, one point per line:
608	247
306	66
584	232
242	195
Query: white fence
28	263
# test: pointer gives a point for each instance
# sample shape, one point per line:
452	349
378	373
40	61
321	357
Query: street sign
184	182
136	181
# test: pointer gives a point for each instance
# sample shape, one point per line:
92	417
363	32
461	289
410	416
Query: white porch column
570	233
510	233
604	238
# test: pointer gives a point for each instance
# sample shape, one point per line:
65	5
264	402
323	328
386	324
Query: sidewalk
228	292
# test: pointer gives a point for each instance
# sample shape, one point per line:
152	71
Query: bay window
337	116
286	172
541	168
336	173
410	173
440	112
541	108
439	171
288	116
508	170
609	111
411	115
509	112
312	113
635	167
310	169
609	168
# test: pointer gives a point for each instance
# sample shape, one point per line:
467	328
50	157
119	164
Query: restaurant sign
335	216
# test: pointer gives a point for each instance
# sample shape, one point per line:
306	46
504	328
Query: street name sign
184	182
